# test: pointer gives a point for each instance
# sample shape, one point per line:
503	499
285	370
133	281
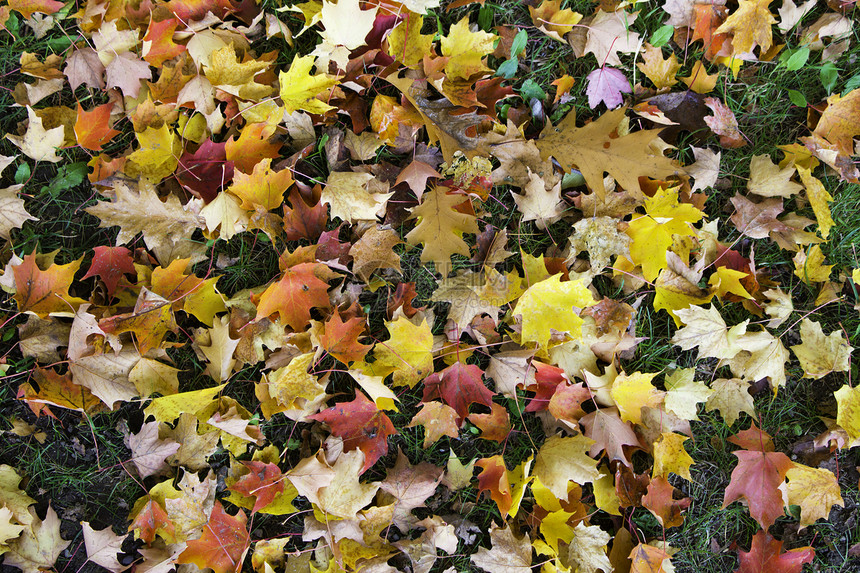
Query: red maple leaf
340	338
403	296
303	221
264	482
92	128
110	264
765	556
458	386
660	501
361	425
158	44
206	170
756	479
223	544
152	520
547	380
293	296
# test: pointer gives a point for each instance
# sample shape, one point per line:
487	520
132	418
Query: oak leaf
219	350
166	226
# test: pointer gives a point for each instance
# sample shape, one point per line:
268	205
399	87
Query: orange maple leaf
158	44
44	292
293	296
223	545
92	128
340	338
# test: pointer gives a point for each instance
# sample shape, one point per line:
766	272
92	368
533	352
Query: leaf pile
398	180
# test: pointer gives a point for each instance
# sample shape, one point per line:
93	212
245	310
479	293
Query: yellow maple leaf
750	24
819	355
818	198
440	226
815	490
226	72
299	89
466	50
408	353
550	304
38	143
671	457
699	80
633	391
263	187
652	234
561	460
158	154
809	266
406	43
848	413
657	69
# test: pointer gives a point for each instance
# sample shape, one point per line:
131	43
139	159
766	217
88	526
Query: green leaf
508	69
829	76
485	18
852	84
531	89
519	43
795	59
662	35
797	98
68	176
22	174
